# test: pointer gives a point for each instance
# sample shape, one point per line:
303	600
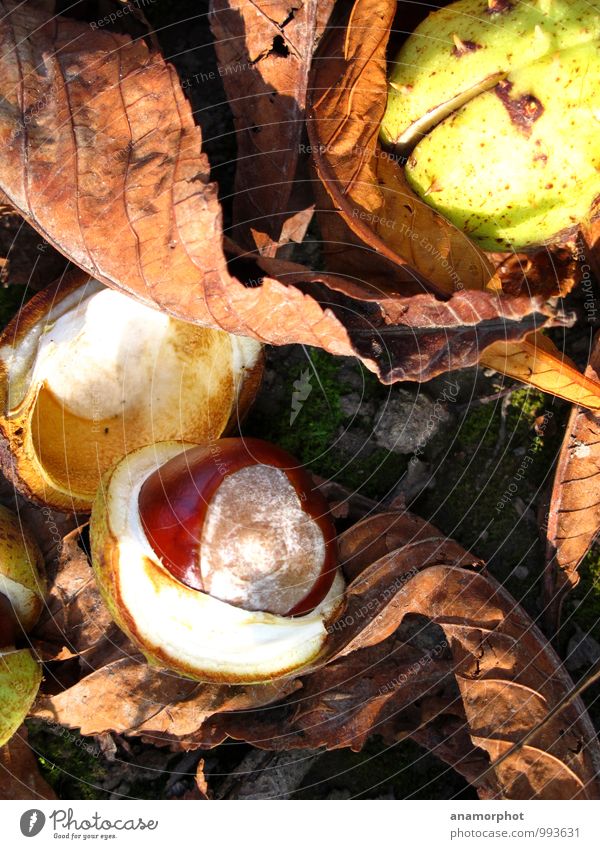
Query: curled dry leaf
426	337
75	619
264	50
506	674
131	203
201	789
19	774
467	690
537	361
417	336
366	184
574	511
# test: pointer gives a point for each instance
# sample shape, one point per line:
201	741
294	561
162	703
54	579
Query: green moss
75	767
526	403
69	762
490	481
320	414
479	427
318	435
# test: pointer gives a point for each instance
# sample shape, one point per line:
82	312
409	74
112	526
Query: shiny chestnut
240	519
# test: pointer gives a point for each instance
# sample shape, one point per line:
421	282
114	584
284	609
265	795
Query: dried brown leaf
365	183
537	361
507	677
422	337
401	337
264	50
101	154
201	789
75	618
574	511
128	696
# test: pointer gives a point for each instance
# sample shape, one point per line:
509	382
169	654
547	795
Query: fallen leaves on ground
264	51
574	510
102	156
507	676
468	689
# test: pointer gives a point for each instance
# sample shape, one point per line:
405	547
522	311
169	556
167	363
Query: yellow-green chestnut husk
22	590
495	106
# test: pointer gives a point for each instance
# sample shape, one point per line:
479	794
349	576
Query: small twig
590	678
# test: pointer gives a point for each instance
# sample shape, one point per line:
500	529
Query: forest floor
451	450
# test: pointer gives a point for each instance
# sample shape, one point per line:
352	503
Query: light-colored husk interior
99	375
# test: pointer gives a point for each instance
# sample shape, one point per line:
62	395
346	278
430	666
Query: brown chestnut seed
239	519
8	623
177	627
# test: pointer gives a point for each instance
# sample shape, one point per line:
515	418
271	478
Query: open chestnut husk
88	374
220	561
22	590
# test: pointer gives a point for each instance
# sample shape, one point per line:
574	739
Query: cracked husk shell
87	374
183	629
